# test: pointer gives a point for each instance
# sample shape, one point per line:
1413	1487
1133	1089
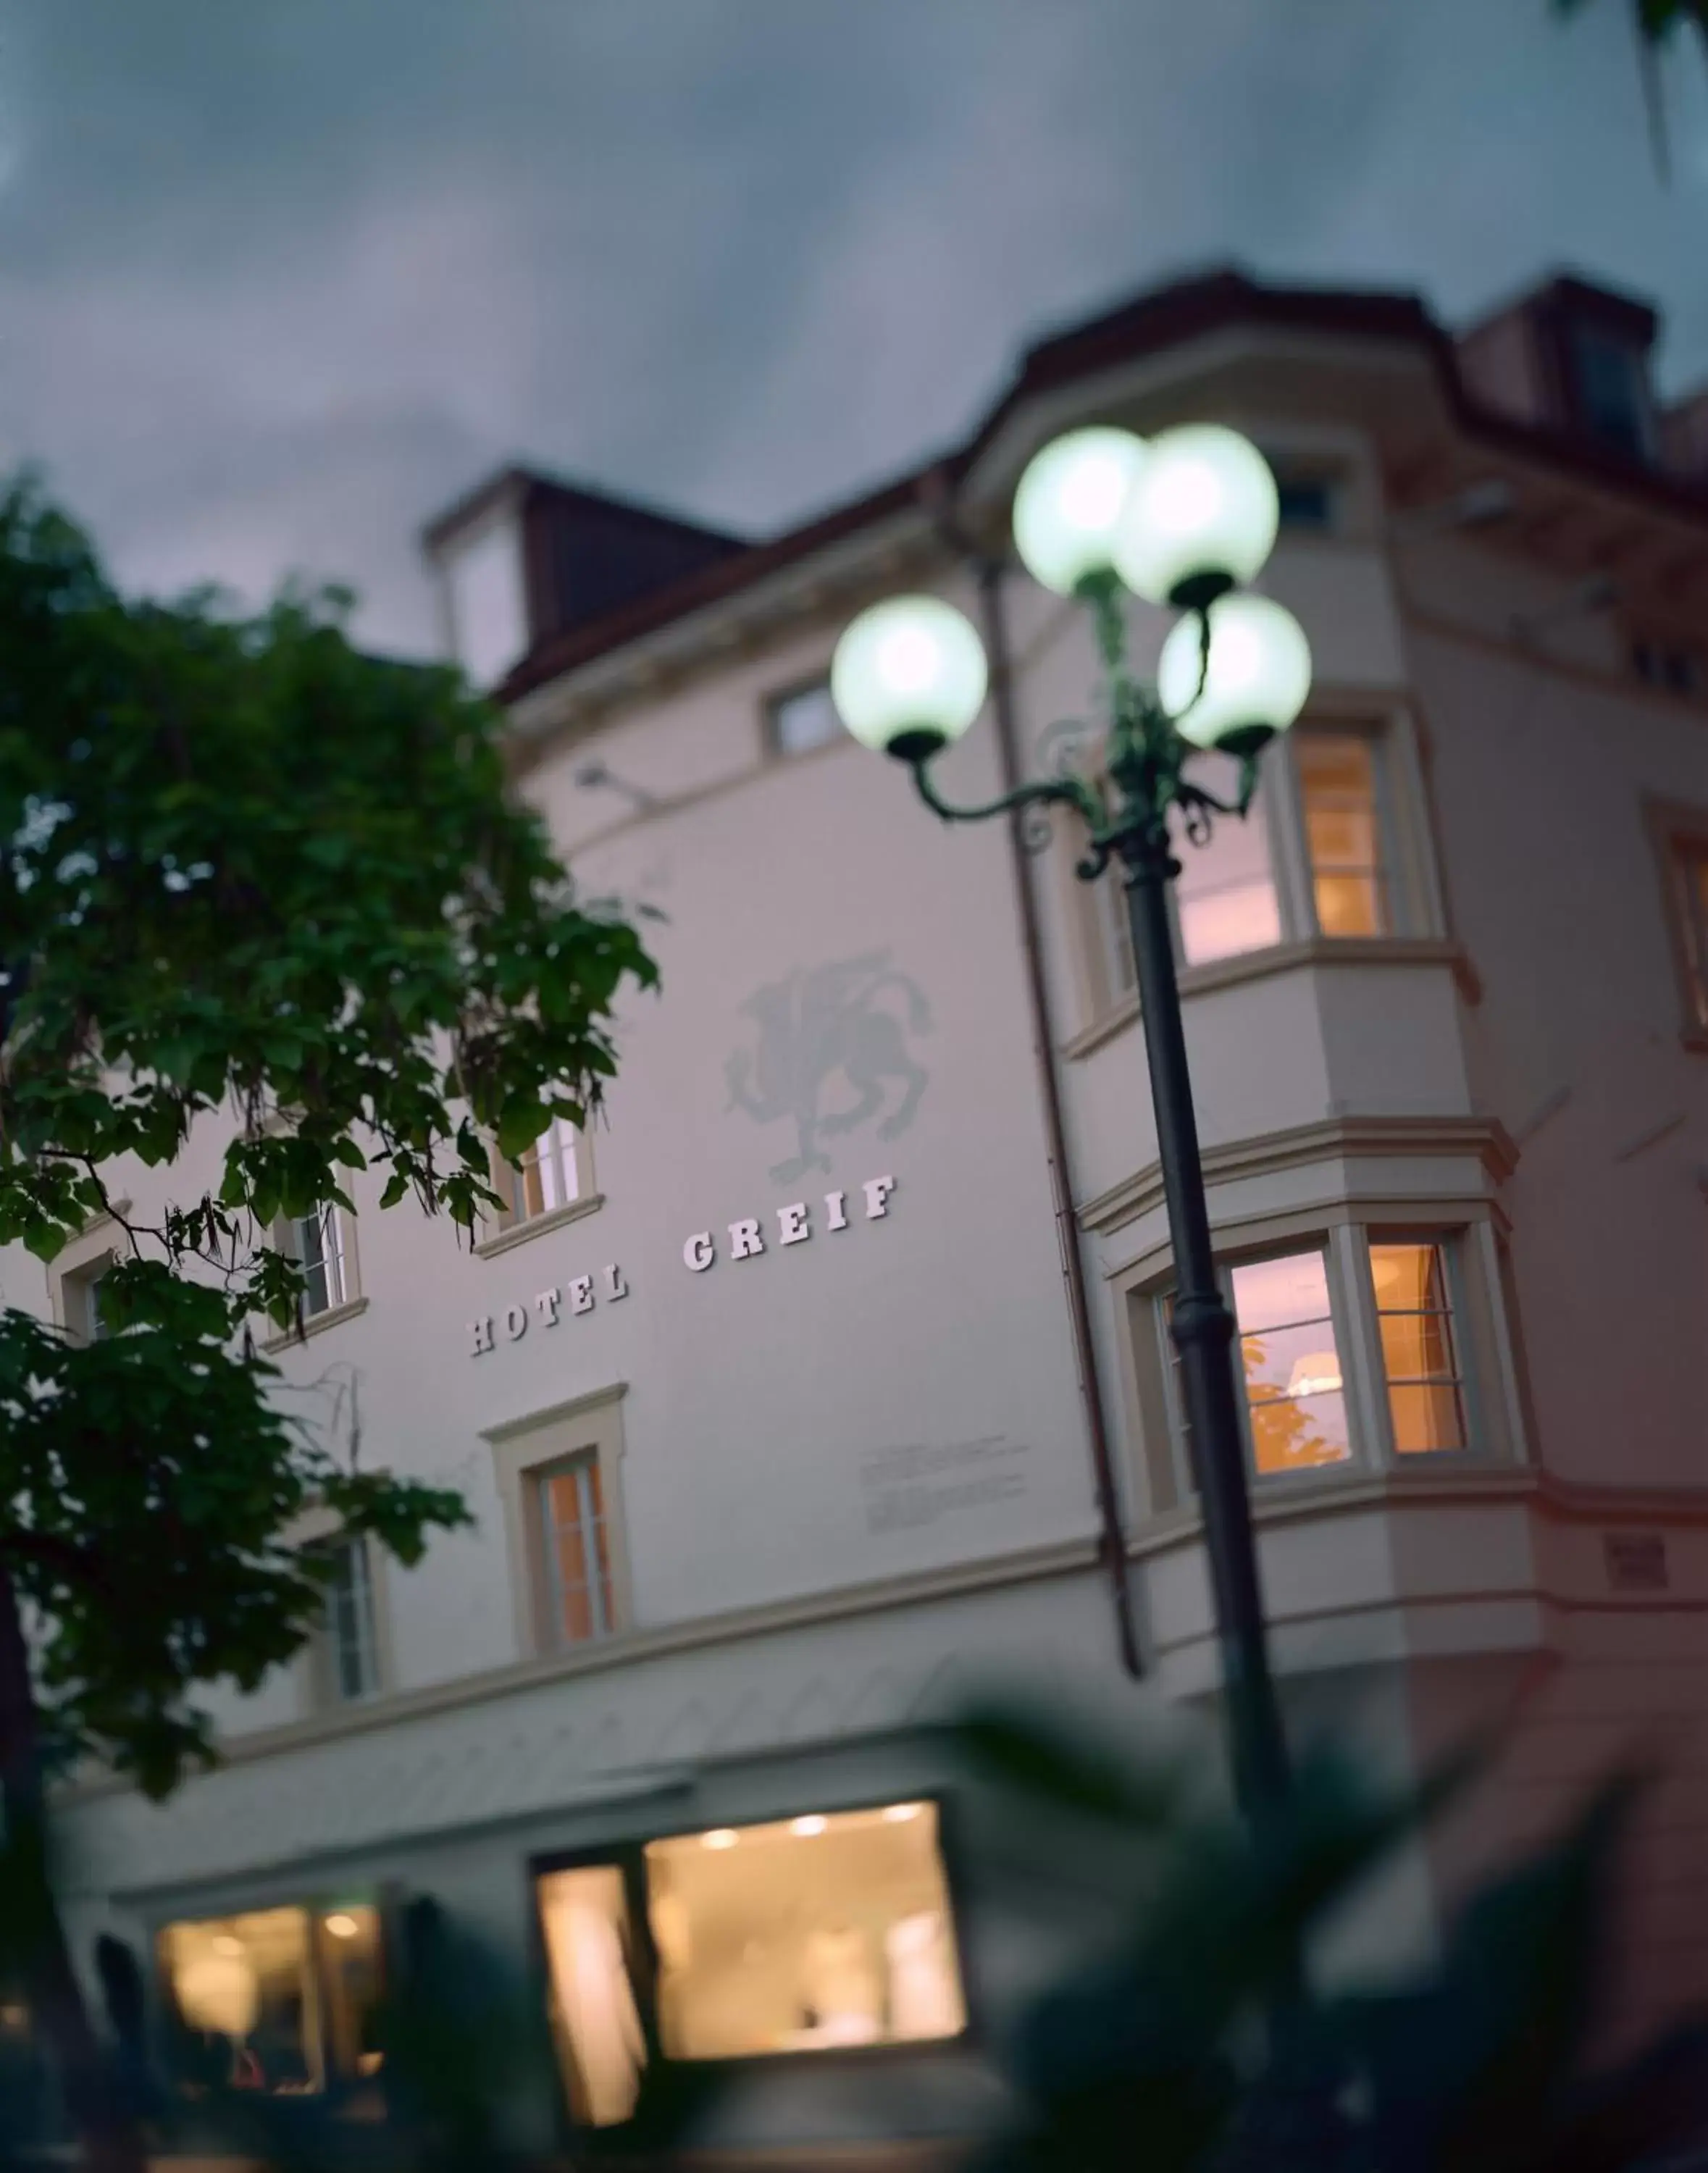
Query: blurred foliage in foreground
1182	2046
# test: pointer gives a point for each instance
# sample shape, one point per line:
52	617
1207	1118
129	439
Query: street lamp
1184	520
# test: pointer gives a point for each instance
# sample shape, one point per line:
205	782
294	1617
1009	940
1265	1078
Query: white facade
846	1475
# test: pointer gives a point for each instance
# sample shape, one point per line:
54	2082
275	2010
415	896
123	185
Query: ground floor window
281	2001
826	1930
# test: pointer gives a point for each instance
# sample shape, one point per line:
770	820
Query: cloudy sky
278	278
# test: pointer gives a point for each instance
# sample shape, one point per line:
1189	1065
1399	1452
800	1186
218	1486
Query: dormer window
1611	384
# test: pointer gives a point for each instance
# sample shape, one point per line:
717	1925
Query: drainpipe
1111	1547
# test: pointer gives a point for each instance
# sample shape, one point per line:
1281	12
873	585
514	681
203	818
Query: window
279	2001
316	1242
1677	667
546	1180
1339	788
1307	502
1434	1347
1679	835
801	1935
352	1651
1290	1357
803	719
1691	873
558	1477
577	1551
1289	1361
1425	1395
84	1305
1225	898
1612	389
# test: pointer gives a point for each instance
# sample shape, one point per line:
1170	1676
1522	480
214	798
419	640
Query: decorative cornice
595	1399
1361	1138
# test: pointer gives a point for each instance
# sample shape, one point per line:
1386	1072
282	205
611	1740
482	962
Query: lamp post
1181	520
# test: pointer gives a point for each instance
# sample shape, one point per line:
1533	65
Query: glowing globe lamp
1201	519
908	677
1068	510
1258	676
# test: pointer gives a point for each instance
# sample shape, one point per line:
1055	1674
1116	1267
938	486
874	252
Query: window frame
1340	1321
525	1449
353	1302
80	1261
629	1856
596	1570
773	701
498	1236
315	1666
1492	1387
328	1655
1679	835
1394	891
342	2092
333	1222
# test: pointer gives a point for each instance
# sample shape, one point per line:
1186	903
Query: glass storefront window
823	1930
276	2001
802	1935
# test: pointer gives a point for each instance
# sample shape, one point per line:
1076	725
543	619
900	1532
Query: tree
1656	21
255	882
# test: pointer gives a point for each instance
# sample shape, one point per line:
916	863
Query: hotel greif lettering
749	1238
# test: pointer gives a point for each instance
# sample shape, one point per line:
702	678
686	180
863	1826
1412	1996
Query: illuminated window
1340	792
317	1243
1425	1395
1225	898
809	1934
826	1930
547	1177
595	2008
278	2001
803	719
1290	1357
575	1538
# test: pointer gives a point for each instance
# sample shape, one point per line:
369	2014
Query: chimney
526	559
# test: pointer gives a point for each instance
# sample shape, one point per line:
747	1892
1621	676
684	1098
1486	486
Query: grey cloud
277	280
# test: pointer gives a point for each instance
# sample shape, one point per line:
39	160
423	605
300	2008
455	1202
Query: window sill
1313	952
334	1317
504	1240
1280	1499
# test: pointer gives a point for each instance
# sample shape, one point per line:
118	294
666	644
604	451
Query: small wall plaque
1636	1561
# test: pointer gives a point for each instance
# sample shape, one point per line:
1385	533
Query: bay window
1329	851
1353	1352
